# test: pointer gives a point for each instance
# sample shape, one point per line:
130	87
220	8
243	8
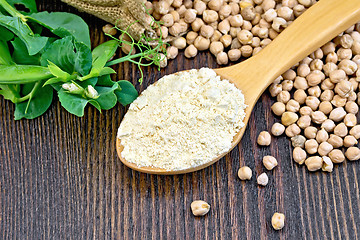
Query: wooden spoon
315	27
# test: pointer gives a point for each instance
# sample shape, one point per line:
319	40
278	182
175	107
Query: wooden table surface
60	178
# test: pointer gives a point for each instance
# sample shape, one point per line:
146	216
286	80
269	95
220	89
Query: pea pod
22	74
5	57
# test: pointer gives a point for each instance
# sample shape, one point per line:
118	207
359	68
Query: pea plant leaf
34	43
127	92
5	34
29	6
61	53
20	54
83	60
64	24
107	98
35	106
74	104
5	57
10	92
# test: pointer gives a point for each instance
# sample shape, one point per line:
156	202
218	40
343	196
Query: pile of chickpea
230	29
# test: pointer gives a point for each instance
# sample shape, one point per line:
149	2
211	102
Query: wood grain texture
60	178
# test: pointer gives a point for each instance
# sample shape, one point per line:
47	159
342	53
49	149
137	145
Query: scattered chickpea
269	162
325	148
245	173
310	132
109	29
299	155
222	58
298	141
336	156
264	138
190	51
200	208
327	164
277	129
353	153
350	141
322	136
311	146
172	52
278	221
179	43
216	47
263	179
292	130
314	163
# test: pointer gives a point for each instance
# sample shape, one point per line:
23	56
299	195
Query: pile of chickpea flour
183	121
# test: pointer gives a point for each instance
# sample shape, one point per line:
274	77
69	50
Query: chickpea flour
183	121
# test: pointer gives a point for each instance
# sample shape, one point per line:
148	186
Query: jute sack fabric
127	15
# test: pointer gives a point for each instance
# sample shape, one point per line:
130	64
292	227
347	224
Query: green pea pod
21	74
5	57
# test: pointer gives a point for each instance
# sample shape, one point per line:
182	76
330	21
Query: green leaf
74	104
21	55
105	81
64	24
34	43
83	59
30	5
22	74
102	53
35	106
107	98
5	57
61	53
95	104
10	92
106	71
127	94
5	34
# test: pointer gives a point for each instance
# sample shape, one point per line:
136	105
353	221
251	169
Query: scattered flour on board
183	121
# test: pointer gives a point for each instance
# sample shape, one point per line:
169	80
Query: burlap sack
122	13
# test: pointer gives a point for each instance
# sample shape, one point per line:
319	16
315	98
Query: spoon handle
315	27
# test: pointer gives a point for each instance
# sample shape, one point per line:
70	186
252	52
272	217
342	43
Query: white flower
91	92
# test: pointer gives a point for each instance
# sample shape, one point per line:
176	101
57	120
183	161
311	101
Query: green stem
30	94
123	59
12	11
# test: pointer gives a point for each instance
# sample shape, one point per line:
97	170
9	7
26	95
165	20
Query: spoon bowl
315	27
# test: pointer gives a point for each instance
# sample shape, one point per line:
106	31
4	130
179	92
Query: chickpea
226	40
236	21
331	57
288	118
303	70
352	107
298	141
278	108
318	117
264	138
344	88
200	7
265	42
248	13
222	58
335	141
348	66
315	77
270	15
279	24
338	101
246	25
310	132
235	9
327	95
300	96
206	31
352	153
314	91
350	141
235	44
216	37
336	156
263	179
234	54
168	20
316	64
200	208
109	29
278	221
190	51
350	120
175	29
327	84
283	96
344	54
287	85
325	107
311	146
245	173
341	130
299	155
325	148
201	43
175	15
162	7
190	37
314	163
337	114
244	37
328	125
197	24
304	121
321	136
210	16
179	43
215	4
269	162
224	26
292	130
216	47
301	83
275	89
328	48
171	52
329	67
327	164
355	131
285	13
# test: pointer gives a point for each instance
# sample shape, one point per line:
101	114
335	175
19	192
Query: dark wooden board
60	178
